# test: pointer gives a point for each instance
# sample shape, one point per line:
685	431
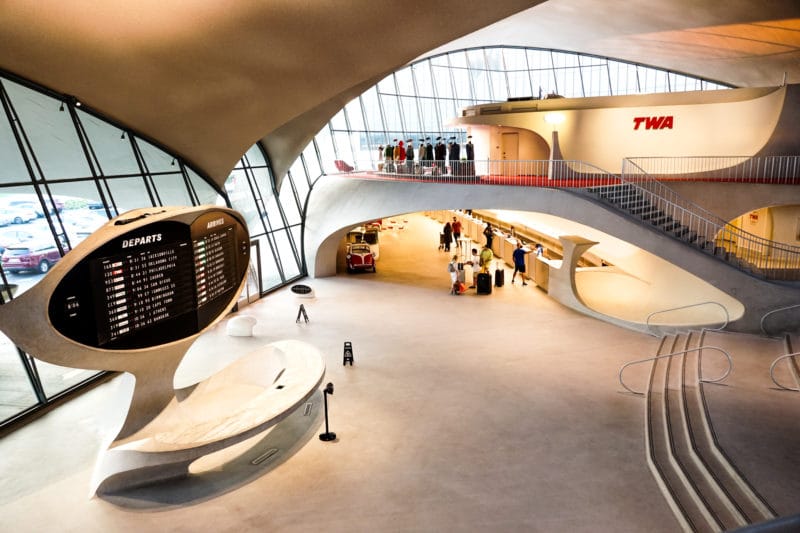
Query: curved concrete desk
244	399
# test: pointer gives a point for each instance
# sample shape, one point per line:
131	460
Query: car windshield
371	237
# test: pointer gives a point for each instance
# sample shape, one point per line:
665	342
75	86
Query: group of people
481	262
399	156
450	233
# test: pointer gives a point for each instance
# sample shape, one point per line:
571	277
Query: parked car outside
12	236
31	257
19	214
359	257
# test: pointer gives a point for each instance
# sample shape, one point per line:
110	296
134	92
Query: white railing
774	170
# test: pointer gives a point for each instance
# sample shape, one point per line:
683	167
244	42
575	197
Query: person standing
410	151
519	262
421	152
488	232
388	155
486	259
452	268
448	236
428	151
475	262
456	230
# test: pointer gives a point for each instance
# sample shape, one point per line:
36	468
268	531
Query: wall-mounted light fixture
61	107
122	136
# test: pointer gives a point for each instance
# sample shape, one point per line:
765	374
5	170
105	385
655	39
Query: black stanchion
328	435
302	312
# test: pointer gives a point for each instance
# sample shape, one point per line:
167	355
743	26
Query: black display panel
156	284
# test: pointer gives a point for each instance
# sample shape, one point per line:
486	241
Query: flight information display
158	283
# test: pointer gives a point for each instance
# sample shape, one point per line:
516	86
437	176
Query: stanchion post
328	435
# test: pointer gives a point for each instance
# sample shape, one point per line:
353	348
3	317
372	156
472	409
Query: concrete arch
337	203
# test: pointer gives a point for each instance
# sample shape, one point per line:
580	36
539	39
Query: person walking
519	262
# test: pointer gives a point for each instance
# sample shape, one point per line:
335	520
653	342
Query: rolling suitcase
499	277
484	283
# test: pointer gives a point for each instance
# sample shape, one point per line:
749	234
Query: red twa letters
653	123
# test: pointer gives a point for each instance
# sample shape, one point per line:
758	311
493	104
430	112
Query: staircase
634	201
705	491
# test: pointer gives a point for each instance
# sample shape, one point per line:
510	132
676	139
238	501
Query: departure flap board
158	283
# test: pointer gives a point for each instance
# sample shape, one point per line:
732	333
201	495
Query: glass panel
270	275
514	59
310	156
539	59
461	83
255	157
448	111
562	59
519	84
82	212
480	83
391	112
430	119
29	248
326	152
422	75
16	391
344	149
354	115
155	158
273	214
458	59
410	112
56	379
476	59
129	193
289	204
172	189
299	179
114	153
337	122
386	85
441	76
206	194
499	87
494	59
50	132
405	85
595	80
372	110
12	166
242	200
290	265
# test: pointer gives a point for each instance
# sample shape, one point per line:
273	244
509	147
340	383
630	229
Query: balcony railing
635	192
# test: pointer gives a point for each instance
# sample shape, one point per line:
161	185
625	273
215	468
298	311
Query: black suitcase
499	277
484	283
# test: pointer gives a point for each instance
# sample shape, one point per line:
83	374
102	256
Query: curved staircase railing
654	313
681	352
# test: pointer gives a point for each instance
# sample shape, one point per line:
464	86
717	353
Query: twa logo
653	123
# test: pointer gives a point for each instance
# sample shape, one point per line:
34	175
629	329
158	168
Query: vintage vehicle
359	257
34	257
369	235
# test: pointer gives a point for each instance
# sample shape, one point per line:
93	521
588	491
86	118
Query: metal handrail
751	249
763	318
723	326
682	352
772	371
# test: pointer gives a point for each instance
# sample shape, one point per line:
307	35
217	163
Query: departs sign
654	123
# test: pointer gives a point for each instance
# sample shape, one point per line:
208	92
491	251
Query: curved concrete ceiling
207	79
